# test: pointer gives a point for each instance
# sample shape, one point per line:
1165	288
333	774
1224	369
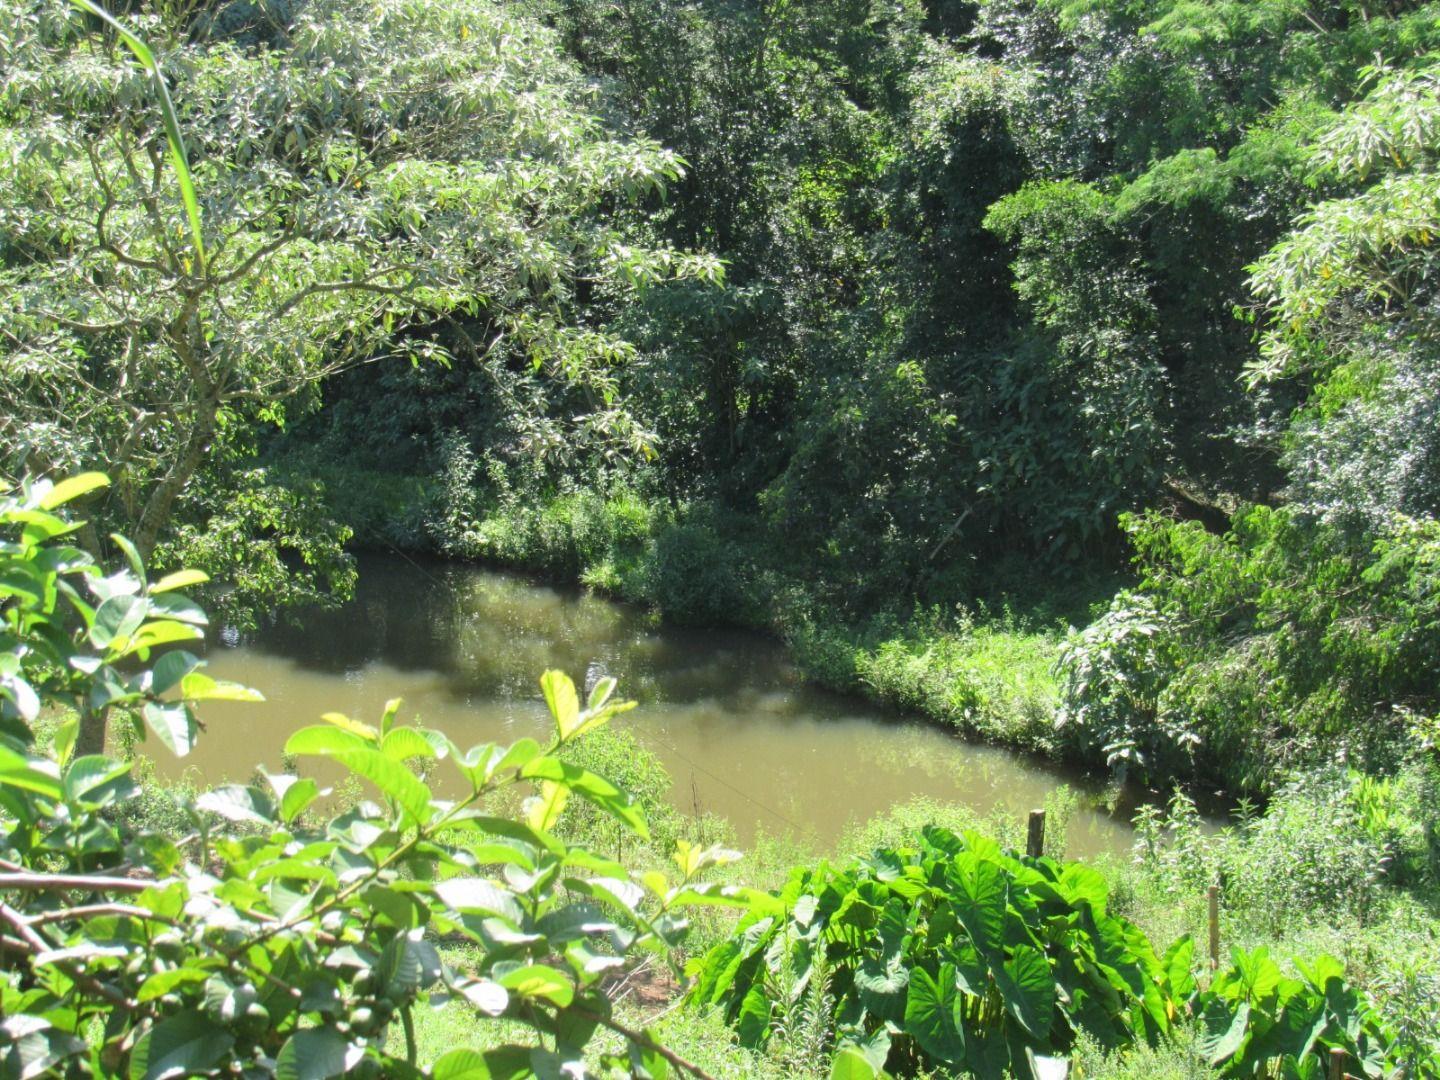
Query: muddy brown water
739	730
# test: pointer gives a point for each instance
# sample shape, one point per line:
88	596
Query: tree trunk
161	502
90	739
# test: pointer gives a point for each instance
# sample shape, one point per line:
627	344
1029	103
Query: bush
947	953
268	935
694	577
1278	645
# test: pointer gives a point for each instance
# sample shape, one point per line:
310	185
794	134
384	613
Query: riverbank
979	656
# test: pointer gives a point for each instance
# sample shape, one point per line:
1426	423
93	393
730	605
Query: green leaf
1027	986
564	704
236	803
63	741
316	1054
197	686
320	739
31	1047
539	981
461	1065
171	668
1177	969
355	727
174	725
1222	1032
980	902
161	983
29	774
850	1064
72	487
545	809
881	980
297	797
391	778
116	619
181	1045
159	632
92	780
752	1023
479	896
180	579
405	742
590	786
132	556
178	607
930	1015
408	963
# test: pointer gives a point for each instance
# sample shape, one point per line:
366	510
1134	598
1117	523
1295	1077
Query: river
739	730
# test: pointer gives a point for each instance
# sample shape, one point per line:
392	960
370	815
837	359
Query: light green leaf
461	1065
544	809
197	686
850	1064
174	725
29	774
539	981
72	487
564	703
180	579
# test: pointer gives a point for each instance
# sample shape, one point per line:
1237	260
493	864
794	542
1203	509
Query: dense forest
1064	371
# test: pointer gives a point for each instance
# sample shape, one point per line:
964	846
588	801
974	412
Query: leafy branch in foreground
277	939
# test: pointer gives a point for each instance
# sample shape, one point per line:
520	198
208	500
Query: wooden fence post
1035	840
1337	1064
1213	895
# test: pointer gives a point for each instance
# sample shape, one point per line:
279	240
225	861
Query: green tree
365	178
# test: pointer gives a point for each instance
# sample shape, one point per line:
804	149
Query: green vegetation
273	938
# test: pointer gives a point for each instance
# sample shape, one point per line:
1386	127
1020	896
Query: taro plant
1255	1021
948	954
952	955
283	936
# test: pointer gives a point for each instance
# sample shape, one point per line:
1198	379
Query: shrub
694	577
949	954
274	938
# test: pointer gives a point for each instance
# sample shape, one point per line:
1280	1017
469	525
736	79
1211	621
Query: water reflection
740	732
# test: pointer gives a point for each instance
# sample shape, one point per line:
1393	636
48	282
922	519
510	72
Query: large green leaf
1222	1031
182	1045
564	703
980	892
462	1064
315	1054
930	1015
116	619
96	781
850	1064
883	976
1028	988
174	725
540	982
752	1023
